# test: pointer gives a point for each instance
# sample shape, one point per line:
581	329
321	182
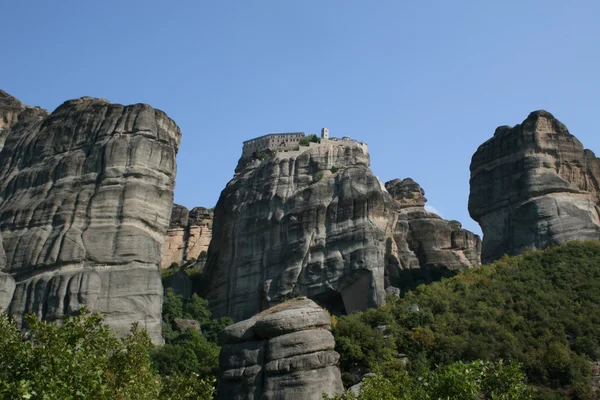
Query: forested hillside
540	309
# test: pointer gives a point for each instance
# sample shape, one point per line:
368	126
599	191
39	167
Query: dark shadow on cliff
331	301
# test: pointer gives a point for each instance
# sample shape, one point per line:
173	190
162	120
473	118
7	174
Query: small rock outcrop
532	186
286	352
86	196
188	236
12	111
426	247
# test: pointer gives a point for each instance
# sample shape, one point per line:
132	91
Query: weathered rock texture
86	198
284	353
7	283
188	236
289	224
12	110
426	247
534	185
317	222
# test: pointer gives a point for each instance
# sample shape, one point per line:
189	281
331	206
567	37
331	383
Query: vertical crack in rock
86	194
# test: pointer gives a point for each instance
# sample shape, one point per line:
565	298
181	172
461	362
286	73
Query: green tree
190	353
82	359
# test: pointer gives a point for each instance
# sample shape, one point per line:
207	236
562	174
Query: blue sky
423	83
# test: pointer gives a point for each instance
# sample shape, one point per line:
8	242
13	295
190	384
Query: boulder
86	196
181	325
288	360
532	186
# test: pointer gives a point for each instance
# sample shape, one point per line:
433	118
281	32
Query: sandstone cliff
317	222
188	236
534	185
285	352
86	197
426	247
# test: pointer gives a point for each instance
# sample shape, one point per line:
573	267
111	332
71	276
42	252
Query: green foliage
305	141
334	169
458	381
82	359
541	309
263	155
189	352
187	387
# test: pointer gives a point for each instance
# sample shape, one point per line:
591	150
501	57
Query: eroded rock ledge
285	352
86	197
534	185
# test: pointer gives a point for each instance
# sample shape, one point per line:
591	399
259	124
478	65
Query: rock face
534	185
289	225
188	236
181	284
285	352
426	247
317	222
7	283
12	110
86	197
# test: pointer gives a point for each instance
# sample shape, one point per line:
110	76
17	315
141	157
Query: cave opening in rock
331	301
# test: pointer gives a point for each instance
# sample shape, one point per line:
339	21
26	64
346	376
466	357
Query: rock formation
12	110
534	185
285	352
426	247
318	222
188	236
290	225
86	197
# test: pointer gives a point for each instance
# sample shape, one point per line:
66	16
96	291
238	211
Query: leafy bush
458	381
541	309
82	359
263	155
189	352
334	169
305	141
